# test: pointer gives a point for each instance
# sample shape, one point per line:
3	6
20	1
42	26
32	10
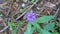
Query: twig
57	12
42	9
1	5
3	29
27	10
17	11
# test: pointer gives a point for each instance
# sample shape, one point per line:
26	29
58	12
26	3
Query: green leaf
44	19
59	19
39	30
54	32
32	1
14	31
49	26
29	29
45	32
58	24
12	27
1	14
42	31
18	23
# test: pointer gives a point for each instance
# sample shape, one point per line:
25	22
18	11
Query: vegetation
29	16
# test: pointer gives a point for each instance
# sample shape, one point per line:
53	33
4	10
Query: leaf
18	23
14	31
58	24
29	29
12	27
49	26
59	19
45	32
38	28
42	31
44	19
32	1
1	14
54	32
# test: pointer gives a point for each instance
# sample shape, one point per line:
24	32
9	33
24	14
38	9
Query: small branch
3	29
57	12
27	10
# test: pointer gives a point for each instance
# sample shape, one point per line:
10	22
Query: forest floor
16	16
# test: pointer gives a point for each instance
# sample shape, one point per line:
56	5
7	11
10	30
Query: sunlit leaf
29	29
49	26
44	19
45	32
42	31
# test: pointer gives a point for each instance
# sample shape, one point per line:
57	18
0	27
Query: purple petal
30	16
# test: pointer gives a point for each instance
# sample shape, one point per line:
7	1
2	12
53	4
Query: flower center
30	16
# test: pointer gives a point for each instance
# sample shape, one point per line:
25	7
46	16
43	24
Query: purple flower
30	16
